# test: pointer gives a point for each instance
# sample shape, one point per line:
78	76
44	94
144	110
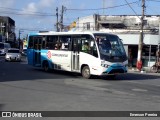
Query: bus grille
117	71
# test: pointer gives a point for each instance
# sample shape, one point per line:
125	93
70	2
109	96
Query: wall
133	39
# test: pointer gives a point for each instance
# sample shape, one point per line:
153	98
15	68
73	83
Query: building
7	30
128	29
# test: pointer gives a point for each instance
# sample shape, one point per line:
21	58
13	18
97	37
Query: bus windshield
110	47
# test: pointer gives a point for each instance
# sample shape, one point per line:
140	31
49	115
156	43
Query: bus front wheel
86	72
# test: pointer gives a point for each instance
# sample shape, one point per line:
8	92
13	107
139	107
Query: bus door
75	53
37	52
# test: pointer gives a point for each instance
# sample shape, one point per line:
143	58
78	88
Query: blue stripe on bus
44	57
116	66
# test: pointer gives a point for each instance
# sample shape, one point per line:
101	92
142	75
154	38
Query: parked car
24	52
4	48
13	54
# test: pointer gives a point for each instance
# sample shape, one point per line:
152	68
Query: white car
13	54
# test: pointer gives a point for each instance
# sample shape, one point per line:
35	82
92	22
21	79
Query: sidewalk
143	71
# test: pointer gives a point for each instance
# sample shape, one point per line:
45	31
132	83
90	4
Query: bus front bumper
115	69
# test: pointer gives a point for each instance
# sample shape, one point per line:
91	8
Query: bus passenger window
57	46
65	42
30	44
43	43
94	51
51	42
86	47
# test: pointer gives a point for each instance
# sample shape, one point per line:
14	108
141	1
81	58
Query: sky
40	15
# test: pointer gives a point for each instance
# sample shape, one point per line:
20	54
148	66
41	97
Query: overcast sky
40	14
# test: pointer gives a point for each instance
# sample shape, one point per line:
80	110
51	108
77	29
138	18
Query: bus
88	53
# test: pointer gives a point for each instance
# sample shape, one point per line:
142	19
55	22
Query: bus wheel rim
86	72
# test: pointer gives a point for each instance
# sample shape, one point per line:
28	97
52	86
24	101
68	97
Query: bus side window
76	43
51	42
65	42
30	44
44	43
87	44
94	50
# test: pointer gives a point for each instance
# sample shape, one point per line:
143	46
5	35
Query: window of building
86	26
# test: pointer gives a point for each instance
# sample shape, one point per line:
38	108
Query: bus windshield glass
110	47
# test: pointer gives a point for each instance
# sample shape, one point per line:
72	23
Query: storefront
148	55
150	43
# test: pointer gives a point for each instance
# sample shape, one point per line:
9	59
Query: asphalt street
24	88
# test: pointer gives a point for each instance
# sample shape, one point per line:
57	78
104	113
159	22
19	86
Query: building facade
7	30
128	29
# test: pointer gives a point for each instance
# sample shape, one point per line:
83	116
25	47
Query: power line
102	8
20	10
13	13
154	0
132	9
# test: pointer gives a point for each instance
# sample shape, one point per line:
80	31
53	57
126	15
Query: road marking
139	90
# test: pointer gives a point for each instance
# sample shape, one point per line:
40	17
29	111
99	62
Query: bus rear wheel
86	72
46	67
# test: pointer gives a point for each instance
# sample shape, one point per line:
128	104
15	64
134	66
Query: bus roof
68	33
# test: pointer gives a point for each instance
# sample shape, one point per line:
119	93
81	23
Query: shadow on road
137	76
13	71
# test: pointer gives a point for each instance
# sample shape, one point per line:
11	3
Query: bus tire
46	66
86	72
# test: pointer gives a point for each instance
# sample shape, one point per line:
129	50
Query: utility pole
104	5
57	19
19	39
159	37
61	20
140	45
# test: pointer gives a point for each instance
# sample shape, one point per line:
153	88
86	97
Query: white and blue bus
88	53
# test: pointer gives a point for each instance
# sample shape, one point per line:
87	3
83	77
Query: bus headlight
105	65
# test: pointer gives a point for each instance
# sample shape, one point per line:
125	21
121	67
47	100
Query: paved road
24	88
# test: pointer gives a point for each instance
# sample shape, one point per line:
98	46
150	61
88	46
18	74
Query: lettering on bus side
60	55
